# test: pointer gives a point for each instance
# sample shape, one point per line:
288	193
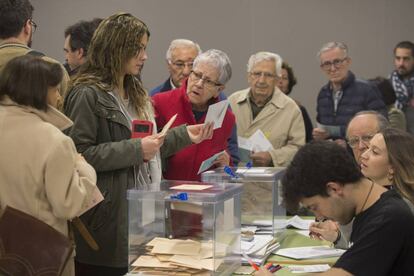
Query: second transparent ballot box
261	200
185	227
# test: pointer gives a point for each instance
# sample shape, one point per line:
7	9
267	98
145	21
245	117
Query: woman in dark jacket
104	99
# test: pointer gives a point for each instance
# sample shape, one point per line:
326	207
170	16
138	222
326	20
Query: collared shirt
255	108
172	84
337	96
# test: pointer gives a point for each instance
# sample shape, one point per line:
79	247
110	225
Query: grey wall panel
295	29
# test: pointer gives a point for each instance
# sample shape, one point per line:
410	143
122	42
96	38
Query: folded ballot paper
216	113
255	143
206	164
258	248
178	257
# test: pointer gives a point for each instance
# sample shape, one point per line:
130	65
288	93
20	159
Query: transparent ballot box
261	199
185	228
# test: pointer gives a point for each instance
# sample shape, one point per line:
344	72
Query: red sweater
184	164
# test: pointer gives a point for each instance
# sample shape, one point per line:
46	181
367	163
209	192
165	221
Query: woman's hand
151	145
222	160
327	230
199	133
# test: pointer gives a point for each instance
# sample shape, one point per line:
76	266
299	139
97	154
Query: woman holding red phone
104	99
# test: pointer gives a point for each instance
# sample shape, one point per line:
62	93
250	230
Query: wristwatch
337	238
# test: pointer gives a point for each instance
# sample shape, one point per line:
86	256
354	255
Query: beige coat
40	172
280	120
9	51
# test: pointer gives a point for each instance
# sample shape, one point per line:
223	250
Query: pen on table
273	268
250	261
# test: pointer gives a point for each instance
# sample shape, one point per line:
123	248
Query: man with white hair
263	106
343	96
180	57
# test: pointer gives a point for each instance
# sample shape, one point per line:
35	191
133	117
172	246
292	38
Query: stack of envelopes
178	257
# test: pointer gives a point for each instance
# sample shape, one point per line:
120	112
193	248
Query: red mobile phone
141	128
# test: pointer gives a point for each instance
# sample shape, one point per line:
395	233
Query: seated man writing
382	238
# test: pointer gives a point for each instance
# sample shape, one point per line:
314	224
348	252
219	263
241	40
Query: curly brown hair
116	40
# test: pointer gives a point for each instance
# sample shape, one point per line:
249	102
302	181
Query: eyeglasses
353	142
181	65
266	75
34	25
206	82
336	63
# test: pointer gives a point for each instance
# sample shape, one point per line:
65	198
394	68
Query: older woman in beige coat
41	173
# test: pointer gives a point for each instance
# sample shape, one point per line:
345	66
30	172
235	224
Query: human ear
333	188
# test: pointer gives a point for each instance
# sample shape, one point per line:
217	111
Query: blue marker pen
229	171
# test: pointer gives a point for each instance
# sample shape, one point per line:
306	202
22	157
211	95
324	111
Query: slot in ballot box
261	200
185	227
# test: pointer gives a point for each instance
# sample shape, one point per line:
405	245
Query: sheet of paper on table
308	268
190	187
310	252
296	222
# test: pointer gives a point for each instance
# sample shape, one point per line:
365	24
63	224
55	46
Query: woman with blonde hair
104	98
389	159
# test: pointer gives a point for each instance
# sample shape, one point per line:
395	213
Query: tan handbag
31	247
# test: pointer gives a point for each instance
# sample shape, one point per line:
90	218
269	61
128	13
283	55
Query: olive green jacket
102	134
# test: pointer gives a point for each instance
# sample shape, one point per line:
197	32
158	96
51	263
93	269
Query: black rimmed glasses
354	141
199	76
34	25
336	63
181	65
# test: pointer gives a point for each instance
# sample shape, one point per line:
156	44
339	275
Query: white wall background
295	29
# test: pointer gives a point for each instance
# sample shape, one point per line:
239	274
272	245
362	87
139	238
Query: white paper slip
310	252
216	113
244	143
333	130
296	222
308	268
300	223
259	242
209	162
260	142
190	187
168	125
